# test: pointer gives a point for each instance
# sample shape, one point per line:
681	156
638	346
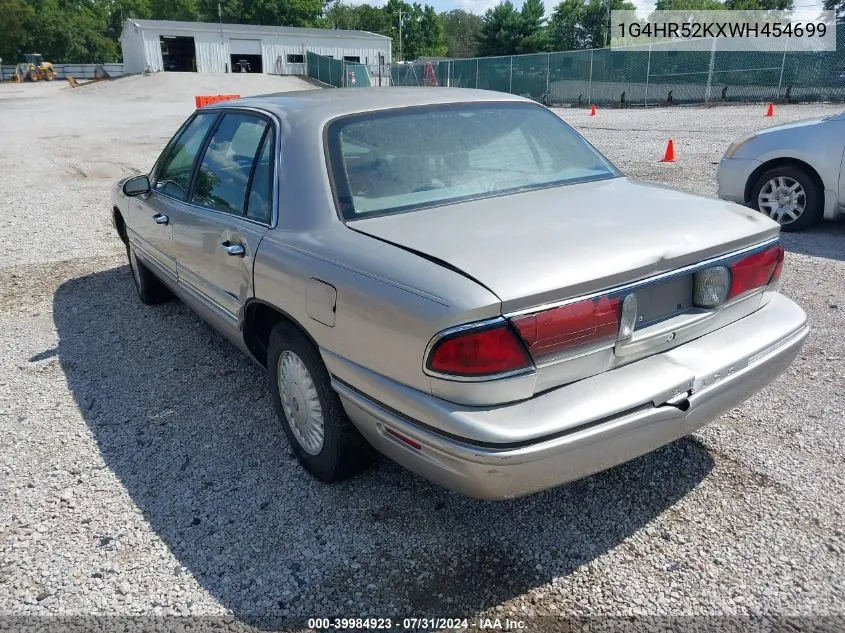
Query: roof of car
321	105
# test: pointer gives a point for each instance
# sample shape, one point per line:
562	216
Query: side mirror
136	186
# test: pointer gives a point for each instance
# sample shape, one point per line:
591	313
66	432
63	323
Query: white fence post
548	73
710	71
510	79
476	73
647	76
782	66
590	88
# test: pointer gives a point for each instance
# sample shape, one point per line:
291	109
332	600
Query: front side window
402	160
223	175
175	170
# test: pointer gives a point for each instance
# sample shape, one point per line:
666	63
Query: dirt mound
185	86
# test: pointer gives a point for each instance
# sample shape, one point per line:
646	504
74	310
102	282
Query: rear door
152	216
216	234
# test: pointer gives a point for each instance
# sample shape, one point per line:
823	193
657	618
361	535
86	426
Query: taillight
487	350
587	323
756	270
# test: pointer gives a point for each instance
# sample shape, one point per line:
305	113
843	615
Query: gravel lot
143	473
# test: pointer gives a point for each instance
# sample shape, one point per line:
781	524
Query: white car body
815	145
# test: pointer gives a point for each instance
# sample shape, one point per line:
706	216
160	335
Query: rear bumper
712	374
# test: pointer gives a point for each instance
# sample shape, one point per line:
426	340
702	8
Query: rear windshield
402	160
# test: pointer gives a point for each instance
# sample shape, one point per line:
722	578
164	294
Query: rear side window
260	203
223	176
175	171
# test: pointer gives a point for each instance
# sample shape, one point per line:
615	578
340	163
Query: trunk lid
543	246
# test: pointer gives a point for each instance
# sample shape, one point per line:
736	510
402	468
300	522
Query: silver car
458	280
794	173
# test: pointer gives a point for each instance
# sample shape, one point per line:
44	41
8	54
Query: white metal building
155	45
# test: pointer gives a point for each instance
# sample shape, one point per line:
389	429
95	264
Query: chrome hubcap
783	199
300	402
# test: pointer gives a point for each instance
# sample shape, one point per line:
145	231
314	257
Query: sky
644	7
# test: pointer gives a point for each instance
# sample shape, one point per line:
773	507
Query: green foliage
838	6
88	31
688	5
16	15
462	30
422	30
506	31
760	5
577	24
70	32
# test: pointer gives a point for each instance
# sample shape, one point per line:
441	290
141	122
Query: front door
153	214
217	233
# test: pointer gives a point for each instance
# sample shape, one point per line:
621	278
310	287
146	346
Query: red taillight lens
756	271
489	350
568	327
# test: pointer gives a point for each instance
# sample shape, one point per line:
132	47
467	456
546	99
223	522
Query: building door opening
246	64
178	53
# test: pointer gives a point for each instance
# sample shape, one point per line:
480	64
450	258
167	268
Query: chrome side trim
462	328
650	280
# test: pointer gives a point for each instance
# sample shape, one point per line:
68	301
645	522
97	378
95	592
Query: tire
782	179
341	451
150	290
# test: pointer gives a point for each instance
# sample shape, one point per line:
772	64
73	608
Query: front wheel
790	196
150	289
318	430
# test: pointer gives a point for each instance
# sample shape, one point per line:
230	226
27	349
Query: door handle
161	219
234	250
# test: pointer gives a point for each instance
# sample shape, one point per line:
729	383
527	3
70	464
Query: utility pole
401	58
220	19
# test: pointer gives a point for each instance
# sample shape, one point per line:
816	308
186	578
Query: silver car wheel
300	402
783	199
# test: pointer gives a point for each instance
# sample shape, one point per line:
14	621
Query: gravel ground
143	472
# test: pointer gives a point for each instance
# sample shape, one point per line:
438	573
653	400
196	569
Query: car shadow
184	420
823	240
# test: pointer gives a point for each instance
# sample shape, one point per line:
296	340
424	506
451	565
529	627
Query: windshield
402	160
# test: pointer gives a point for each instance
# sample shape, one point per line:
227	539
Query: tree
759	5
462	30
534	35
16	15
506	31
838	6
577	24
689	5
70	32
284	12
422	30
184	10
121	10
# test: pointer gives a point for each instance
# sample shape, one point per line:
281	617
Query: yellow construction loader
34	68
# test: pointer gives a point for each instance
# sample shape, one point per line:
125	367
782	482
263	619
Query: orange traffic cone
771	110
669	156
593	110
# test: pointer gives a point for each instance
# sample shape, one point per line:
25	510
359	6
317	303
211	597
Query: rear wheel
790	196
150	290
320	433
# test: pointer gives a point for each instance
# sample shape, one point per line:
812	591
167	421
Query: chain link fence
645	75
343	74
